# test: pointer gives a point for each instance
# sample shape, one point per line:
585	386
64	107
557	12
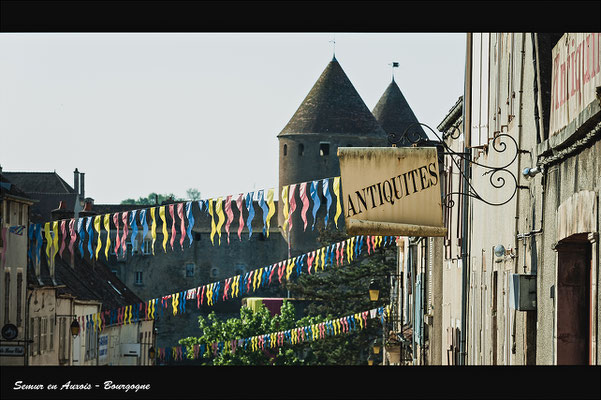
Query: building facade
520	263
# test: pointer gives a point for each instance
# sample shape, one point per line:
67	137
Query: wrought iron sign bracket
498	175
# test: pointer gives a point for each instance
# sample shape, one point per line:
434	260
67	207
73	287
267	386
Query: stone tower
332	115
394	114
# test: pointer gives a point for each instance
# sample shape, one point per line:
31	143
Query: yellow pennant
174	302
336	187
130	315
289	268
48	239
213	227
107	227
208	293
165	232
284	199
55	238
348	250
221	216
257	279
153	227
97	229
238	285
271	211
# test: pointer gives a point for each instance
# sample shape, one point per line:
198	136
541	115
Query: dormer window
301	149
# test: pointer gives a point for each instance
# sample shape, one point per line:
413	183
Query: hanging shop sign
391	191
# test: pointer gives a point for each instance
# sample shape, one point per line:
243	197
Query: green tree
250	323
193	194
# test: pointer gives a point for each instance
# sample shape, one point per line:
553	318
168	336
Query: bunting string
301	334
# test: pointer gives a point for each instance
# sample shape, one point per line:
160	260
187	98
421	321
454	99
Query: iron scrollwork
498	175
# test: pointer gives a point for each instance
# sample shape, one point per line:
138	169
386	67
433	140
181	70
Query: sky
152	112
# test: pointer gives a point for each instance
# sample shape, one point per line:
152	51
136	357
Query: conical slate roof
333	106
394	114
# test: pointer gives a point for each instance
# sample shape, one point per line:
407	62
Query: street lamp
370	360
74	328
374	290
377	345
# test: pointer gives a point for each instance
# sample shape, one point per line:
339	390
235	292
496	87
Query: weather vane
333	41
394	65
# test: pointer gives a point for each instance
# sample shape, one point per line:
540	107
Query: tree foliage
250	323
155	198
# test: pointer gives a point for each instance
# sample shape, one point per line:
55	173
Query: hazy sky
141	113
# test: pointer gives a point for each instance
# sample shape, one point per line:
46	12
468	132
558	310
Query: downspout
517	194
27	323
464	216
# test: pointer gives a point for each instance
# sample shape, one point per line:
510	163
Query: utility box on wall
522	292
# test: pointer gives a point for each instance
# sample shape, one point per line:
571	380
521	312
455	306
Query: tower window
285	149
324	149
301	149
138	279
189	270
214	272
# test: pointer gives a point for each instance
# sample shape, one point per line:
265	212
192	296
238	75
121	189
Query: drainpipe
464	216
27	323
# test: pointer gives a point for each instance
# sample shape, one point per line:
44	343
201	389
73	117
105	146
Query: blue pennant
144	223
251	213
265	208
134	230
81	234
39	241
90	235
316	201
190	216
328	196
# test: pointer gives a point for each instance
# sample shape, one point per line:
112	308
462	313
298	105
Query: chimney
76	180
87	208
82	185
61	212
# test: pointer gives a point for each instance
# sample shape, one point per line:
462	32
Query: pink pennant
73	235
305	201
117	238
124	216
368	240
338	253
202	296
249	280
63	236
226	288
292	202
171	213
271	273
241	221
230	215
281	267
342	244
182	225
310	258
